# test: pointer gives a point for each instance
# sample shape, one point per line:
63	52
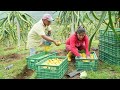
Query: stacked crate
109	47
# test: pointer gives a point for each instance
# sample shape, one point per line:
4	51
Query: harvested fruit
59	43
84	56
86	60
53	62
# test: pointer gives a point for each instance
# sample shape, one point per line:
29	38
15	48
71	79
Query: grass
18	66
3	52
95	43
105	71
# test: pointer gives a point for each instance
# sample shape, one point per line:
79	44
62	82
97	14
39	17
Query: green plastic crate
112	50
109	32
92	65
107	42
108	58
32	60
101	56
109	39
52	72
108	48
117	44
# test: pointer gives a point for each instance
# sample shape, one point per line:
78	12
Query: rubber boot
69	55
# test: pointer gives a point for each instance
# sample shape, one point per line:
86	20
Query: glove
47	48
69	56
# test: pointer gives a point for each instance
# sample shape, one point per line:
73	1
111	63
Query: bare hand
57	43
88	57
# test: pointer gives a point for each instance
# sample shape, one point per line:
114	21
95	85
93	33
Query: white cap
48	17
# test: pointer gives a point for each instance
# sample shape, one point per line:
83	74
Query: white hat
48	17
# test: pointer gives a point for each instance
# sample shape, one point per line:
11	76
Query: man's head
80	32
47	19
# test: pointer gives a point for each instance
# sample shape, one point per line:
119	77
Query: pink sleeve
87	45
74	50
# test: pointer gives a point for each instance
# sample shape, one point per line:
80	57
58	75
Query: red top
74	43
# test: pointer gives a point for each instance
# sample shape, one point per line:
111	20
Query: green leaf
93	13
89	18
23	19
4	20
98	26
111	24
106	28
9	14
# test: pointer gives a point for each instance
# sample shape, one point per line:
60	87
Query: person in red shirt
77	41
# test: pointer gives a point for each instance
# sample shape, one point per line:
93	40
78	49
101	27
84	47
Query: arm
49	39
87	45
74	50
41	33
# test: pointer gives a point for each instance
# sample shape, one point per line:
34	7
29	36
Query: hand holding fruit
57	43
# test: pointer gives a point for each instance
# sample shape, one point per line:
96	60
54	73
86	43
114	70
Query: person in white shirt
37	33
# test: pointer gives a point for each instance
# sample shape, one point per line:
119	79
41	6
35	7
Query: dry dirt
24	74
11	57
